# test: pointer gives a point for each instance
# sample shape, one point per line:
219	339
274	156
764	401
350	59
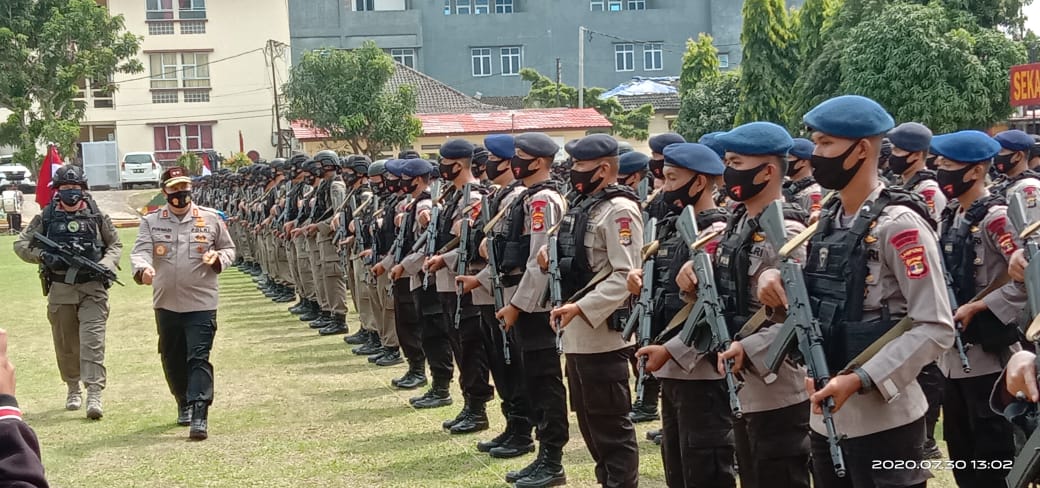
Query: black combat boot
548	473
514	476
498	440
447	424
199	430
312	312
376	356
517	444
438	396
930	450
476	421
338	325
324	320
368	348
287	295
184	414
299	308
414	378
358	338
391	358
644	412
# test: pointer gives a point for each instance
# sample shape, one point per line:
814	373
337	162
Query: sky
1033	16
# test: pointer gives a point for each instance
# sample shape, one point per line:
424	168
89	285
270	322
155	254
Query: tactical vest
444	223
322	200
918	177
514	247
1000	187
386	233
793	188
657	207
81	232
570	238
836	272
410	236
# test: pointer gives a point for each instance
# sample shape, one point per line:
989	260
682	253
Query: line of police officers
489	261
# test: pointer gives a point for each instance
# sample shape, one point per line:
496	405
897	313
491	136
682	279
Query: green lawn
291	408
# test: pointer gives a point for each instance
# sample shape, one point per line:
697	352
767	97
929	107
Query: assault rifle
431	227
708	319
72	255
801	326
958	340
463	254
496	279
643	312
555	278
397	249
1027	232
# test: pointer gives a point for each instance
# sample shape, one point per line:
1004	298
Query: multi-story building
207	80
479	46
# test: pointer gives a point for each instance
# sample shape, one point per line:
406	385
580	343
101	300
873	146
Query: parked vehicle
140	168
10	171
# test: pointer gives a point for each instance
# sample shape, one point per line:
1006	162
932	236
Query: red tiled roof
489	122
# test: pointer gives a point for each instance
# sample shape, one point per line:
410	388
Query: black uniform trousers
543	379
932	383
864	456
697	442
468	346
601	399
437	340
407	323
974	432
185	340
773	447
509	378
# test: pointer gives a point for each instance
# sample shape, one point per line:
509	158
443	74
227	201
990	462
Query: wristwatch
867	384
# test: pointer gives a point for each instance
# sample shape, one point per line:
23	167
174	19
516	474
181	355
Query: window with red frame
175	139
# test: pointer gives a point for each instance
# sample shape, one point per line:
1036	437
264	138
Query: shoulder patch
905	238
1007	243
997	226
624	230
538	215
815	198
1030	193
915	261
929	197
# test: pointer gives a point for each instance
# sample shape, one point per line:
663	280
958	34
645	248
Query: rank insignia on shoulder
905	238
624	230
915	262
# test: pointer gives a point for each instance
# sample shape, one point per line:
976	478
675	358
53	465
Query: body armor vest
445	222
836	273
793	188
570	238
322	200
1000	187
386	233
514	247
410	236
923	175
79	231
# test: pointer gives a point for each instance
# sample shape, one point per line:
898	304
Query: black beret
592	147
536	144
457	149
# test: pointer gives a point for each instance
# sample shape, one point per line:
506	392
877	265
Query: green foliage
700	63
344	93
237	160
709	107
769	52
814	20
546	93
939	68
1006	14
46	47
191	162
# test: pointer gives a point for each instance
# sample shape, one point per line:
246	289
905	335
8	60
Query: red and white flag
51	163
206	169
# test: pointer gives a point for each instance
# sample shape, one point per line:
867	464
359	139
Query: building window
503	6
481	7
614	5
163	70
193	27
652	56
624	57
363	5
192	9
164	97
159	9
160	28
481	61
510	61
195	68
447	7
173	140
404	56
196	96
637	4
462	7
596	5
724	60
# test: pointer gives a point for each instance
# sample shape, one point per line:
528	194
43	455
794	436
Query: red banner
51	163
1025	85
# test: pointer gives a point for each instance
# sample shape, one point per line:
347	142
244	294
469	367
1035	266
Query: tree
545	93
768	65
939	68
46	48
709	107
345	94
1006	14
815	19
700	63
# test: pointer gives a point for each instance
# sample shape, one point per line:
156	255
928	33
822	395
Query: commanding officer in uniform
1013	164
697	426
873	260
603	230
910	145
179	251
527	231
977	243
801	188
77	300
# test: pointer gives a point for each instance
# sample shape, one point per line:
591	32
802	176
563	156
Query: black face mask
494	169
408	187
521	167
830	173
677	199
582	181
71	197
899	164
657	168
952	182
179	199
792	167
448	172
930	162
628	180
740	184
1003	163
477	170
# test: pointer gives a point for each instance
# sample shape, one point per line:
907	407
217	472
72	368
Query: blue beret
412	168
394	166
500	145
757	138
1014	140
536	144
802	148
457	149
850	117
711	140
966	146
693	156
661	141
591	147
911	136
632	162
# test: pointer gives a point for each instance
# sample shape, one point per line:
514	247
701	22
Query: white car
9	172
139	168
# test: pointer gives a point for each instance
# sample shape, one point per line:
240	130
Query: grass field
291	408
